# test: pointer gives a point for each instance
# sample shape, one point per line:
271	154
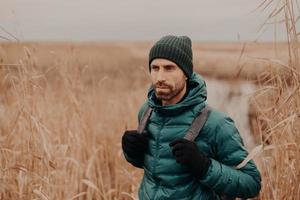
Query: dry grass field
64	107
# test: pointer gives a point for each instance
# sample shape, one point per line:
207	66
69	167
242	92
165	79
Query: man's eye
155	68
169	68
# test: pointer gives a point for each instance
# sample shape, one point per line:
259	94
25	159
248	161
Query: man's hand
187	153
134	144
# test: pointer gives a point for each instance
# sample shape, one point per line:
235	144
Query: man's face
168	80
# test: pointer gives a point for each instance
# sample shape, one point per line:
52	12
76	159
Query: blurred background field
227	60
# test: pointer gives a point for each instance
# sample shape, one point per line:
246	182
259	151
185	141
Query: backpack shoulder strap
197	124
144	119
194	129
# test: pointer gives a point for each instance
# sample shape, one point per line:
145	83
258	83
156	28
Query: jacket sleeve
137	162
222	176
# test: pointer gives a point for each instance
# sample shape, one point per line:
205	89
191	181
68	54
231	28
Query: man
176	168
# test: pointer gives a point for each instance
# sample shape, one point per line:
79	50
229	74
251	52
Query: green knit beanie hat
175	48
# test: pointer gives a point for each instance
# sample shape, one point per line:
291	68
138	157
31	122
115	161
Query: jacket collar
196	94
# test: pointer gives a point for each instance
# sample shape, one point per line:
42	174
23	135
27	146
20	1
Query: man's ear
185	77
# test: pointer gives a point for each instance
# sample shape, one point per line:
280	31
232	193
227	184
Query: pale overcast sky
94	20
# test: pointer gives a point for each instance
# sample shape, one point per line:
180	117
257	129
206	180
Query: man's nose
161	76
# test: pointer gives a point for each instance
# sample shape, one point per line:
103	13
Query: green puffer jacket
219	139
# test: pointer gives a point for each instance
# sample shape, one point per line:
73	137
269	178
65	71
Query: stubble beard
172	91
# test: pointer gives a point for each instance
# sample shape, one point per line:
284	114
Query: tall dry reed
278	106
60	133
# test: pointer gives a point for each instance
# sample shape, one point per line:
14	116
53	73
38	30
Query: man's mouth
162	87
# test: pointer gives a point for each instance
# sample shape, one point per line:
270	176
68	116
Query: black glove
187	153
135	144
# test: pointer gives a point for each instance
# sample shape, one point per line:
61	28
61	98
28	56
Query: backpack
194	129
191	134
